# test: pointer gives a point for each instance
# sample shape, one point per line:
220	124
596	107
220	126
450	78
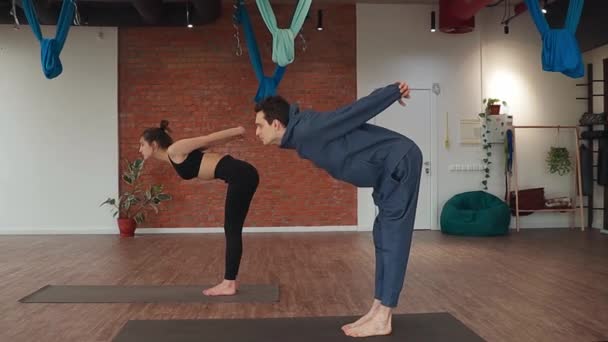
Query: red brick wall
194	79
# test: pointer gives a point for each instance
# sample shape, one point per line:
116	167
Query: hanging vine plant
558	160
486	150
492	108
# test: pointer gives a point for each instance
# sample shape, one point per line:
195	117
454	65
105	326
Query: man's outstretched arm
329	125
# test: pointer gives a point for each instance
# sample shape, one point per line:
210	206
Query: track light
433	28
13	12
189	25
506	29
544	10
320	20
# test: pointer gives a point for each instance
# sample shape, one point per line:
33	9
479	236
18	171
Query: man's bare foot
225	288
364	318
378	324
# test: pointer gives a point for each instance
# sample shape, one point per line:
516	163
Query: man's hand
405	92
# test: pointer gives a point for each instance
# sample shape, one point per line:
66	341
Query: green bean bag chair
475	213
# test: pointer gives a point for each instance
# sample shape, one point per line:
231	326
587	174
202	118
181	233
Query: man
364	155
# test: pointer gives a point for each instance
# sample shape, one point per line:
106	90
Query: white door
415	121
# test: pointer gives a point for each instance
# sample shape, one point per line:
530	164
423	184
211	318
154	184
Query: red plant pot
494	109
127	227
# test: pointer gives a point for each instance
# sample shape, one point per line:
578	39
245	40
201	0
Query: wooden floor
535	285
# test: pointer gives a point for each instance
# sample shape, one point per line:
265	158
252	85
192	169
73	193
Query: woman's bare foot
378	324
365	318
225	288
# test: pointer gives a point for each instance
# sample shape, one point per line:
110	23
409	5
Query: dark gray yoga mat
427	327
148	294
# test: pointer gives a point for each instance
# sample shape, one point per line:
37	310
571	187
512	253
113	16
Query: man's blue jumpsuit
351	150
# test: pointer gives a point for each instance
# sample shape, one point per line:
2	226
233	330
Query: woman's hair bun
164	125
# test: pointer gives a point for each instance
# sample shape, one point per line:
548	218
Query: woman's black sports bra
191	166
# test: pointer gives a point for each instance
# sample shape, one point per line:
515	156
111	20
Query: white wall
512	69
596	56
59	137
394	42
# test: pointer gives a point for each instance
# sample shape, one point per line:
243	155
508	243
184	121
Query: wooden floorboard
535	285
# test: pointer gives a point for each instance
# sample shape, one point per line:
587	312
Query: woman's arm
186	146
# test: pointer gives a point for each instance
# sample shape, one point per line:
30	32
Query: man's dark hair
274	108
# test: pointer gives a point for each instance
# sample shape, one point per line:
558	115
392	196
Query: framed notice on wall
470	131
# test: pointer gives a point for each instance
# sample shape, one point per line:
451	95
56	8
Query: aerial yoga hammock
268	85
51	48
561	52
283	39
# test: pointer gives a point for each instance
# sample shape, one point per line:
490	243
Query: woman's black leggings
242	179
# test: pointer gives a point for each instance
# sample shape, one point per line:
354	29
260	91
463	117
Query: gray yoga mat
148	294
427	327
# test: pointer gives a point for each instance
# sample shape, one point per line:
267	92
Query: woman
190	161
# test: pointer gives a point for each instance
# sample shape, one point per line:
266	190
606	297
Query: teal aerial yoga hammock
268	85
51	48
283	39
560	48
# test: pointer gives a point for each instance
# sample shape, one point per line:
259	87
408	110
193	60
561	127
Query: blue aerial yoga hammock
509	152
283	39
51	48
268	85
508	161
561	52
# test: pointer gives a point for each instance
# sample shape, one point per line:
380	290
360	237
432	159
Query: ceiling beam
45	11
207	10
592	30
125	13
151	11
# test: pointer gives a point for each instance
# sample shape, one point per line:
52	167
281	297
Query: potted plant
492	108
132	205
558	160
493	105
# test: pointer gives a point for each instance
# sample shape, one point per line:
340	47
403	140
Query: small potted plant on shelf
132	205
558	160
493	105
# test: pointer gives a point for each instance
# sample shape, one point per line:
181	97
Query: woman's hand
240	130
